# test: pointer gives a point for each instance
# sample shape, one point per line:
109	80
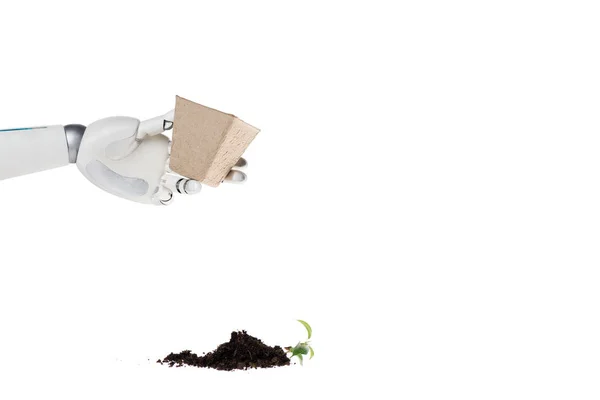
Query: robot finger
182	185
241	164
156	125
235	176
163	196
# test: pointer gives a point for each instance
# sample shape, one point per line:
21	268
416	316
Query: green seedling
302	348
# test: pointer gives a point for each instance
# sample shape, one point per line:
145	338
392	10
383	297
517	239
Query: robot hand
130	159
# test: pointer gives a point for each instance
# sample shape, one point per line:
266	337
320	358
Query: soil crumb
241	352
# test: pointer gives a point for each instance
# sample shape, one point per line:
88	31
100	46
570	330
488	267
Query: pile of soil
241	352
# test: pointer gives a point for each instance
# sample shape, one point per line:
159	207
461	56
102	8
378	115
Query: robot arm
121	155
28	150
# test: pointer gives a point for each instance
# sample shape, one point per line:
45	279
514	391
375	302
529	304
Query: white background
424	192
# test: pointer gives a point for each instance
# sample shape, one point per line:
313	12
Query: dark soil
241	352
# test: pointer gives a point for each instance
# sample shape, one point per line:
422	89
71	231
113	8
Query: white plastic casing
113	159
28	150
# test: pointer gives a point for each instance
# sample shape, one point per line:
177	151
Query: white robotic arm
121	155
28	150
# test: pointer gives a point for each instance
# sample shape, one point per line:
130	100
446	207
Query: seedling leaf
300	358
301	348
307	326
312	352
